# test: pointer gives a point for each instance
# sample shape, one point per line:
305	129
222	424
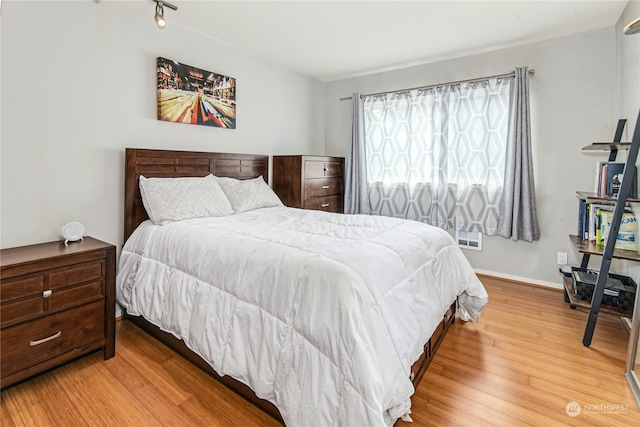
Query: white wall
628	63
572	92
78	86
627	103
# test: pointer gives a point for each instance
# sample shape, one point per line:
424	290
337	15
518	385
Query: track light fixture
160	12
633	27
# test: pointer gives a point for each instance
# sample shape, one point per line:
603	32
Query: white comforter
321	314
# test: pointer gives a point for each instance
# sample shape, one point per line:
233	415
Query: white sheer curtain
438	155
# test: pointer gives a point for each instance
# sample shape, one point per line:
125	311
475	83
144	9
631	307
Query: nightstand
309	182
57	303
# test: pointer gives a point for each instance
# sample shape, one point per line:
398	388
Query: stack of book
609	178
594	225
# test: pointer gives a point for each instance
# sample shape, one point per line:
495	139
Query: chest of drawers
57	303
310	182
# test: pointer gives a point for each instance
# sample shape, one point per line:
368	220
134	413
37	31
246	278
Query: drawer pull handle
325	205
44	340
325	187
47	293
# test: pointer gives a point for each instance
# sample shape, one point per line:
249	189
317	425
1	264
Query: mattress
321	314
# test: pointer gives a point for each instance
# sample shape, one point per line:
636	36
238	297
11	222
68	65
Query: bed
317	318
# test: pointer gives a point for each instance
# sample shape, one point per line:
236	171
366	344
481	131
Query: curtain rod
497	76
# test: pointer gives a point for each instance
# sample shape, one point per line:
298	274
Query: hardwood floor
521	365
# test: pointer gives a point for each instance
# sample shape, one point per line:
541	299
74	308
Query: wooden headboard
173	164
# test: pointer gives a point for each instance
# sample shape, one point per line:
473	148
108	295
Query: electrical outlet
562	258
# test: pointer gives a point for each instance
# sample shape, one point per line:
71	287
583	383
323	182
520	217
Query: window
438	155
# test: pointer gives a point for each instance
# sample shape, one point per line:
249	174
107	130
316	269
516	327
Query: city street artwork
188	94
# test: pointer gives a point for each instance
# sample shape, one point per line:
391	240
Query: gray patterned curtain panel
356	192
438	155
518	216
455	156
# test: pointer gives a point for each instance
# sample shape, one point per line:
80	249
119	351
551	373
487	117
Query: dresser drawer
320	169
333	169
322	187
34	342
328	203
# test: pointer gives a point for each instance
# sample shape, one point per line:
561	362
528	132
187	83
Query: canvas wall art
188	94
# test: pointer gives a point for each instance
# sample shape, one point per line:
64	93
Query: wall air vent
469	239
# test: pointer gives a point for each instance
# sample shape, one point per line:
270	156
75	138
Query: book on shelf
582	219
594	221
596	212
599	219
609	179
588	219
627	238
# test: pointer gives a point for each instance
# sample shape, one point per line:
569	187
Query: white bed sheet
321	314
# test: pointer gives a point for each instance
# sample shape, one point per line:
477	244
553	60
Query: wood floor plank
24	408
594	397
516	394
150	368
118	396
521	359
210	396
521	365
8	412
53	402
450	403
486	394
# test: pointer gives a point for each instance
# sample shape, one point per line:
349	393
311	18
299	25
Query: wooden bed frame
168	163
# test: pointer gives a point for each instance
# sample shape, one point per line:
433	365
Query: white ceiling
331	40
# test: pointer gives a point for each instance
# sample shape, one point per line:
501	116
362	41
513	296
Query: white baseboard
520	279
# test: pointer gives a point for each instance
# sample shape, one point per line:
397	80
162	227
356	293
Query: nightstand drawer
15	289
322	187
26	308
329	203
54	290
28	344
75	295
76	274
21	298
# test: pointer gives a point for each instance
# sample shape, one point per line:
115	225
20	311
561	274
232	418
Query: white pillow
248	194
175	199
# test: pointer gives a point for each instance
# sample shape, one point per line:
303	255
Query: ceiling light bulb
160	16
160	4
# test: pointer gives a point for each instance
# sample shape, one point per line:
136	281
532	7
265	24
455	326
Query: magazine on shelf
627	238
